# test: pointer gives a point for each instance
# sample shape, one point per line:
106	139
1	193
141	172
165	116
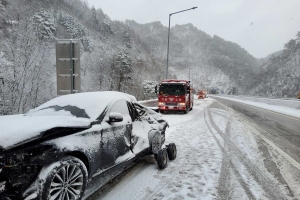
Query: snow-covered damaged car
56	150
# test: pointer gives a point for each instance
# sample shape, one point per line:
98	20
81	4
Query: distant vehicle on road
202	94
175	95
55	150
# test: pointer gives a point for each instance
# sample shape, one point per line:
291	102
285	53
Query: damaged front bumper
19	168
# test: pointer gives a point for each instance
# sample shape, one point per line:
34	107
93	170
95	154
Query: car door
141	128
115	136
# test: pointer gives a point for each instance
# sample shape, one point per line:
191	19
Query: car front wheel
162	158
64	179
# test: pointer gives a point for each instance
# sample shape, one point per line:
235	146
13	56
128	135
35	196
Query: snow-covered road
221	155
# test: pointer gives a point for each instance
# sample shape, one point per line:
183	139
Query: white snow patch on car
19	128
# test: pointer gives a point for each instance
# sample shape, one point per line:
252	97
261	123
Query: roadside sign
68	66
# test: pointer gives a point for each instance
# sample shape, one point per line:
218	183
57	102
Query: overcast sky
259	26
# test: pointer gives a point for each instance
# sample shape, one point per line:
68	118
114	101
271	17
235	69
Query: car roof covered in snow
92	103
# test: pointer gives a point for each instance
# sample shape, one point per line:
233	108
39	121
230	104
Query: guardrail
149	103
291	103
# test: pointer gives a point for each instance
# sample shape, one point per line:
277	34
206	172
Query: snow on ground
219	157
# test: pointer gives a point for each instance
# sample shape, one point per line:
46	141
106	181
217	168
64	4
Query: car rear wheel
64	179
172	151
162	158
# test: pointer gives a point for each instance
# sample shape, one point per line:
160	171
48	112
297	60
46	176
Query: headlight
14	159
24	156
161	103
181	104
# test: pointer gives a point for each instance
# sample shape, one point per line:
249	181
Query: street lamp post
189	73
169	36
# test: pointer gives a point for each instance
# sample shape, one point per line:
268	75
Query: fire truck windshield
172	89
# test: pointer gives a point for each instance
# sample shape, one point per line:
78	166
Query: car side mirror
115	117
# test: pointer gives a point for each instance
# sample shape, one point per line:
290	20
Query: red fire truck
175	95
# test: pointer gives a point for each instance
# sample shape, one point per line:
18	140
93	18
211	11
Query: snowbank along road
221	155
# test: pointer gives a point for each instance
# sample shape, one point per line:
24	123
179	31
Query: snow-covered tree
77	31
149	89
122	70
28	72
94	18
45	25
3	3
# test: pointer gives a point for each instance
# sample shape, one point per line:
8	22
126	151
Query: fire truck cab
175	95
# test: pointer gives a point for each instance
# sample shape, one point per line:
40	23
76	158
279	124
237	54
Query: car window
121	107
132	111
140	111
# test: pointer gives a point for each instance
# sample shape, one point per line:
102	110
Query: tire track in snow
224	188
271	189
274	143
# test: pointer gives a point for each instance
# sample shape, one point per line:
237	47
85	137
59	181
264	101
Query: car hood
19	129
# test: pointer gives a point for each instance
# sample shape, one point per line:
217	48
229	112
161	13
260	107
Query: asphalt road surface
281	129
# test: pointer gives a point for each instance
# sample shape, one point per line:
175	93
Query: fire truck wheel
172	151
162	158
161	111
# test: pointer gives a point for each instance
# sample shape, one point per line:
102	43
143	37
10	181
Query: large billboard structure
68	66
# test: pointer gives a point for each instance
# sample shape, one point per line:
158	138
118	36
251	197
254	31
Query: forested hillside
112	56
209	62
280	74
123	56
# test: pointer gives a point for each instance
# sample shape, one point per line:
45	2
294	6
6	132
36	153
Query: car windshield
172	89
